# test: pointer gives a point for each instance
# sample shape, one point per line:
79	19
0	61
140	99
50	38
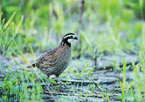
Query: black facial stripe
64	41
69	38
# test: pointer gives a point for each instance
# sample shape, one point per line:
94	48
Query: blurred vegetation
113	25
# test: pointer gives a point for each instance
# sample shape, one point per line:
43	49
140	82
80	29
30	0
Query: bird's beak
76	38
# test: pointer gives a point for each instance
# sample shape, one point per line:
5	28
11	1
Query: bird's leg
57	79
48	84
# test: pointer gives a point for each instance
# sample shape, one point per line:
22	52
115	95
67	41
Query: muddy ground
105	78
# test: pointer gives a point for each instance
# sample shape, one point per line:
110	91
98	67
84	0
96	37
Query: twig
82	2
80	16
95	57
99	94
80	82
112	67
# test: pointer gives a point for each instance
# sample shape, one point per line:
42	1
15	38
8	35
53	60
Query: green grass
15	87
109	27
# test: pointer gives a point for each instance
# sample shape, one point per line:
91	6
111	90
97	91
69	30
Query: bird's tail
32	65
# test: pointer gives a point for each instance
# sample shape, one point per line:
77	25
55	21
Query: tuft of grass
14	87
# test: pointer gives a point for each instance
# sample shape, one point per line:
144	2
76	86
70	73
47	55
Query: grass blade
9	21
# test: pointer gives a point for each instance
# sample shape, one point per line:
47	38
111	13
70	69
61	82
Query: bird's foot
61	83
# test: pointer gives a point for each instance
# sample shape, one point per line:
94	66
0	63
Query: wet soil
105	79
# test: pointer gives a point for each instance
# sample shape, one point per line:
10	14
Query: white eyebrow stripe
68	36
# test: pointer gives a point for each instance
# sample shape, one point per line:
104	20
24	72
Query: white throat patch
70	40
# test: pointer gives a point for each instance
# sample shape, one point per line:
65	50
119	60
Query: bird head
68	38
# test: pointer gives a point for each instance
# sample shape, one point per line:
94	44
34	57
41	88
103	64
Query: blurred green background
111	26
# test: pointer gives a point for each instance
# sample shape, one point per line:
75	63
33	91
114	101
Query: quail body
55	61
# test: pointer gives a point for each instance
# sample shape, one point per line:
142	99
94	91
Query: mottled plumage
55	61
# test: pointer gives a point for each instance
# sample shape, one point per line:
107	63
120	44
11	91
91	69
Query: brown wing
48	64
49	53
45	56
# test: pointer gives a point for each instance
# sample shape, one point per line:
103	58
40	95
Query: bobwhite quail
55	61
